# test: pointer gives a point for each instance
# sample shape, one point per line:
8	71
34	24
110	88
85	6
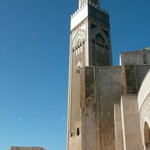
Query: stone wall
118	127
132	77
102	90
90	130
135	57
108	92
144	108
130	123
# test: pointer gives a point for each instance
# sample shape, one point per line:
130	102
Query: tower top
82	2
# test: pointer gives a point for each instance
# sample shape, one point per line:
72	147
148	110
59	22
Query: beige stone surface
135	57
131	123
144	108
118	127
108	92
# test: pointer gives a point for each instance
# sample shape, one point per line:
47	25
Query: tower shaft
90	45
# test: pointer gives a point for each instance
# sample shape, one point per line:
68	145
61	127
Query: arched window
99	38
78	132
71	134
147	136
145	59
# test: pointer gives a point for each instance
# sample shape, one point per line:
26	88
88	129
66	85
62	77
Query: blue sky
34	47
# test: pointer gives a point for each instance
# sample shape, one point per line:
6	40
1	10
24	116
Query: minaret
90	45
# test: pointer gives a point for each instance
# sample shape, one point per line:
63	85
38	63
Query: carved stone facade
102	99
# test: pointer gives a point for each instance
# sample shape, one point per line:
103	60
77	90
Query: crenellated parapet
91	4
78	10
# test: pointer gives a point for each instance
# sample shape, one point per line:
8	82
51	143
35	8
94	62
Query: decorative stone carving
78	38
78	67
90	107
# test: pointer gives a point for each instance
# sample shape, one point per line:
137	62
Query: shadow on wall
147	136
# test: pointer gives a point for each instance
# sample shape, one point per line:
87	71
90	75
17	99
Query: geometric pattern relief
77	64
131	79
89	82
90	107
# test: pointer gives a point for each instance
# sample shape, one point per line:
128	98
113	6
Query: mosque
108	106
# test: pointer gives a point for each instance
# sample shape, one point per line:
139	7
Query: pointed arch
96	31
79	38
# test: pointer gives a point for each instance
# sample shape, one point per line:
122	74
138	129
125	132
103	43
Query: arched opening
71	133
145	59
147	136
99	38
78	132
